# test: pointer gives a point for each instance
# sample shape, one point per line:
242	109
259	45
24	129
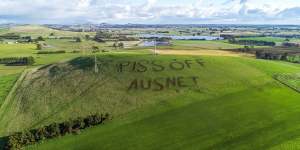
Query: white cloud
148	11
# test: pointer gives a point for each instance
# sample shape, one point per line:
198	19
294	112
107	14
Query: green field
211	102
267	39
236	105
6	83
200	45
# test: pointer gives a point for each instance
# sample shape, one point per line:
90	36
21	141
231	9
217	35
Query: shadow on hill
3	141
83	63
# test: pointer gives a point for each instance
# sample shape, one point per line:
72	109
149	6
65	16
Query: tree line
17	61
251	42
51	52
285	56
21	139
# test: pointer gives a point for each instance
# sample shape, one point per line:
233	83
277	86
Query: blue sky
151	11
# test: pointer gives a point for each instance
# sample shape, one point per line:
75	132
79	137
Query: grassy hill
37	30
213	103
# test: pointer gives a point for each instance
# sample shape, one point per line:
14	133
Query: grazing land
259	105
191	94
6	83
202	52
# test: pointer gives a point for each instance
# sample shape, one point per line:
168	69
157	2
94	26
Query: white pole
96	66
155	48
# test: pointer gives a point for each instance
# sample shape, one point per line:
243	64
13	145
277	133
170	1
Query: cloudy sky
151	11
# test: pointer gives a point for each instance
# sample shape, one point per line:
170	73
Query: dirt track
202	52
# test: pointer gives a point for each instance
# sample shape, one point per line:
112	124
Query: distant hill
39	30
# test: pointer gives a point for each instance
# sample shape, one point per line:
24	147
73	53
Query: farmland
174	116
191	94
6	83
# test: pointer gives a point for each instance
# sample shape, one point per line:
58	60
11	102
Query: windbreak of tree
288	44
11	36
101	35
17	61
294	58
125	38
105	35
21	139
252	42
229	36
51	52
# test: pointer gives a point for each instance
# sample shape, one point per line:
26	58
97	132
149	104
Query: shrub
40	38
78	39
121	45
75	51
39	46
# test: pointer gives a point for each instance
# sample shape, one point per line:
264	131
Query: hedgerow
51	52
17	61
21	139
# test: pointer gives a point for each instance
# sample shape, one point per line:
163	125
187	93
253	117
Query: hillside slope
199	102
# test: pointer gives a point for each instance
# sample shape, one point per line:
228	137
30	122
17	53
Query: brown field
202	52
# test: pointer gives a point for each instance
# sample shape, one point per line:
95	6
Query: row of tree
289	44
21	139
21	39
271	55
51	52
283	56
17	61
251	42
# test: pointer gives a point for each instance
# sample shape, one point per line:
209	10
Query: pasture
198	45
237	105
228	89
192	95
267	39
6	83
